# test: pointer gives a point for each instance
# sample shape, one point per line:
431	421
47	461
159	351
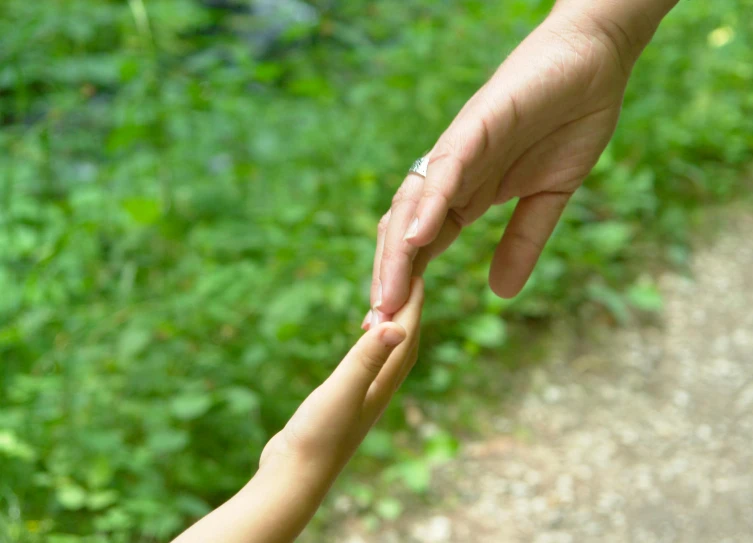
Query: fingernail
393	336
412	229
366	320
379	295
374	318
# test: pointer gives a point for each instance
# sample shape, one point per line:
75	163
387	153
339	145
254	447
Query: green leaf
645	296
450	353
71	496
389	508
289	310
608	238
441	378
486	331
99	472
362	494
132	342
143	210
167	441
11	446
114	519
190	406
612	300
241	400
192	505
441	446
100	500
415	474
378	444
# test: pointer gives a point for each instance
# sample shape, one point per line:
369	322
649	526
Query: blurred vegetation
188	199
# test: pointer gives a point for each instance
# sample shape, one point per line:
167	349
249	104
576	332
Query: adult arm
532	133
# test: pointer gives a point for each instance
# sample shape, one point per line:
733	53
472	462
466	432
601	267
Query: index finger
348	384
409	317
396	259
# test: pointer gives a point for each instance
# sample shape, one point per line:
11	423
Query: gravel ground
646	438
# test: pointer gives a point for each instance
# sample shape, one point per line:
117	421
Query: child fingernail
374	318
366	320
412	229
393	336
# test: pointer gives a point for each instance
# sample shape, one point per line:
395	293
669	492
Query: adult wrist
628	25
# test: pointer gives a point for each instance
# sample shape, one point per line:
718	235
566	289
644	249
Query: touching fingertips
366	320
412	229
378	317
393	335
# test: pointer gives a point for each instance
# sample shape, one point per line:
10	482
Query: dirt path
647	438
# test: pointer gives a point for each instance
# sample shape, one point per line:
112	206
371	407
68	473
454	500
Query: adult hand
300	463
532	132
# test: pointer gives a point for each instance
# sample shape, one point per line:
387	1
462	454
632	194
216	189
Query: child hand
300	463
334	419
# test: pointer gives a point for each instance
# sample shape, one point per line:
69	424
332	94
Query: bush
188	208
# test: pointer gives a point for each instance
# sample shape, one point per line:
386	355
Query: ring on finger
420	166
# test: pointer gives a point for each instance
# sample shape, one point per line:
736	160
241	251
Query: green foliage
187	217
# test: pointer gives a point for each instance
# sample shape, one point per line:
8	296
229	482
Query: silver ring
420	166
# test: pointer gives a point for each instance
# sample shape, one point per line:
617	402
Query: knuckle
485	114
403	196
383	223
389	254
449	152
371	361
465	144
525	242
459	217
396	255
435	192
516	112
484	134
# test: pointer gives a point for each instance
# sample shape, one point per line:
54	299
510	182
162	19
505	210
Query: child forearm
273	507
300	463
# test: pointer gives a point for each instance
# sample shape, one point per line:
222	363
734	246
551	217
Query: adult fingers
473	150
443	179
452	226
393	283
374	317
559	161
447	235
532	223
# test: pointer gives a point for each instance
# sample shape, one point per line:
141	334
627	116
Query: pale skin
300	463
532	133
